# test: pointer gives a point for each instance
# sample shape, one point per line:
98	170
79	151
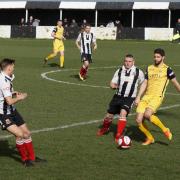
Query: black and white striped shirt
6	90
86	40
128	81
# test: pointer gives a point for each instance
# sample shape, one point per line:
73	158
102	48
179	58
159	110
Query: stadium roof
92	4
100	0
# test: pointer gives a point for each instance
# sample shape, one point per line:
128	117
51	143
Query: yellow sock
50	56
145	131
61	61
155	120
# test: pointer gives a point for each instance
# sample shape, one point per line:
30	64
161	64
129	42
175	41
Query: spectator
118	24
84	23
176	37
30	21
110	24
65	23
36	22
22	23
73	24
119	28
177	29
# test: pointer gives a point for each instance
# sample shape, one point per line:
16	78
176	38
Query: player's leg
86	65
125	105
84	68
56	46
8	124
50	56
107	121
153	106
113	109
19	121
121	124
140	120
143	128
155	120
28	142
61	59
17	132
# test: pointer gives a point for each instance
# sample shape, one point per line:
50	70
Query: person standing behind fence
58	45
176	36
85	42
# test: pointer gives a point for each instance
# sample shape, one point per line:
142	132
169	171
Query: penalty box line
83	123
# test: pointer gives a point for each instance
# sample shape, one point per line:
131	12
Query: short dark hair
159	51
87	25
129	56
6	62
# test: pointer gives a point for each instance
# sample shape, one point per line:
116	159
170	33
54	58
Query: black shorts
10	119
86	57
118	102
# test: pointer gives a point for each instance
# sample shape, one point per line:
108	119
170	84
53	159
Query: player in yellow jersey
58	45
153	89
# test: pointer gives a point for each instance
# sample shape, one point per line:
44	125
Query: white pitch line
80	123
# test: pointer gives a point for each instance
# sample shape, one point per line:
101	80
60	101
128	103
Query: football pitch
64	114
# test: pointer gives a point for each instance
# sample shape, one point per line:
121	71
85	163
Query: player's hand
95	47
79	47
137	100
21	96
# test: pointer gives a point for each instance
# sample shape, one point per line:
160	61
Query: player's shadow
8	151
134	133
74	76
53	65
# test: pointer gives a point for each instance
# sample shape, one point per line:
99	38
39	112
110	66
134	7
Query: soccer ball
124	142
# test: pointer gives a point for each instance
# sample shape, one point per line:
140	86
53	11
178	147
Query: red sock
82	71
85	71
107	122
29	149
120	127
21	149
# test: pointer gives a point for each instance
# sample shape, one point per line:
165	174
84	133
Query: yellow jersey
158	78
59	31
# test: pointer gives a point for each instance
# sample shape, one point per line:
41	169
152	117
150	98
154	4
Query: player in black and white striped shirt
126	81
85	42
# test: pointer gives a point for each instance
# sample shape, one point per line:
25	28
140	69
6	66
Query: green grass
76	153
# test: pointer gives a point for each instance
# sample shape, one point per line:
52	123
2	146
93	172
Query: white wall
44	32
158	34
5	31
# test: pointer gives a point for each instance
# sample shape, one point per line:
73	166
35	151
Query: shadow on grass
133	132
7	150
75	76
53	65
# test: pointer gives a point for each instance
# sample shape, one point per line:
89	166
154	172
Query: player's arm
171	76
142	89
78	40
19	97
94	43
143	79
114	81
53	34
94	46
176	84
113	85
